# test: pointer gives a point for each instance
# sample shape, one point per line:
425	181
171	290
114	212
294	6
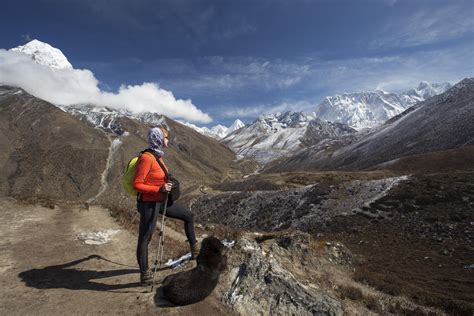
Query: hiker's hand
167	187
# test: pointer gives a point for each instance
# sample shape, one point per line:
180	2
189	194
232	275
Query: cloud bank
76	86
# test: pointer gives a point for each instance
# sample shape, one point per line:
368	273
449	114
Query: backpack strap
167	175
164	169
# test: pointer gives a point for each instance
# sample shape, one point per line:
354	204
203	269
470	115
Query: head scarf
156	141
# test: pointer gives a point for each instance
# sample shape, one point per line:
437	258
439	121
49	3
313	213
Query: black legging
148	217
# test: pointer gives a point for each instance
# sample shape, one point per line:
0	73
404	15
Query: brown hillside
435	162
45	152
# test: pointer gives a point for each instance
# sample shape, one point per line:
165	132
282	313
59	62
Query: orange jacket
149	178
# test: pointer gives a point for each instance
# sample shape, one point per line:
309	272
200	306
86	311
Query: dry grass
418	252
351	293
373	304
394	286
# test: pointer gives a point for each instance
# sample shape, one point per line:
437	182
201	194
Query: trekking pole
161	243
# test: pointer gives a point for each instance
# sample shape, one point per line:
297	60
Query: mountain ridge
275	135
439	123
370	109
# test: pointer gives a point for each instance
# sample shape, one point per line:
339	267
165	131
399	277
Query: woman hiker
151	184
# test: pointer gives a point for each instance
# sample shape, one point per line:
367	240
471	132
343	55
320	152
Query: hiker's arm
142	170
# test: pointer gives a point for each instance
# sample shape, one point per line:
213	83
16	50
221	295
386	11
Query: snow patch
97	237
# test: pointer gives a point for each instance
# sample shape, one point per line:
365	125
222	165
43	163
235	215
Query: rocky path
45	269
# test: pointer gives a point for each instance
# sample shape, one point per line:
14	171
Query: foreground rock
292	273
262	283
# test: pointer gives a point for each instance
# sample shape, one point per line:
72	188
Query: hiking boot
194	251
146	278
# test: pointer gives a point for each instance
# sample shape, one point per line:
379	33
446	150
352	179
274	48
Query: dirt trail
115	144
45	269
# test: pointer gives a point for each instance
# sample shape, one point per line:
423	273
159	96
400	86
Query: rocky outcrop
265	284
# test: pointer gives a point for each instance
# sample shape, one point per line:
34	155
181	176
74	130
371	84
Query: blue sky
239	59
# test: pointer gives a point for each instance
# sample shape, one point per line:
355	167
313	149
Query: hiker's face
166	139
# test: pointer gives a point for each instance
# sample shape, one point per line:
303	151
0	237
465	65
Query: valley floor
45	269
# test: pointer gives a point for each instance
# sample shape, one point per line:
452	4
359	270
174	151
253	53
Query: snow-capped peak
238	124
219	131
44	54
426	90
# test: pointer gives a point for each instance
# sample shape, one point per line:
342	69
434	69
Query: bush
351	293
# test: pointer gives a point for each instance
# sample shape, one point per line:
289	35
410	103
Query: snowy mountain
443	122
370	109
109	119
219	131
238	124
275	135
44	54
97	116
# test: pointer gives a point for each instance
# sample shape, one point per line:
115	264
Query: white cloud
75	86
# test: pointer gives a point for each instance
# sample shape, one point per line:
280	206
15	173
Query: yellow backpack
129	174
